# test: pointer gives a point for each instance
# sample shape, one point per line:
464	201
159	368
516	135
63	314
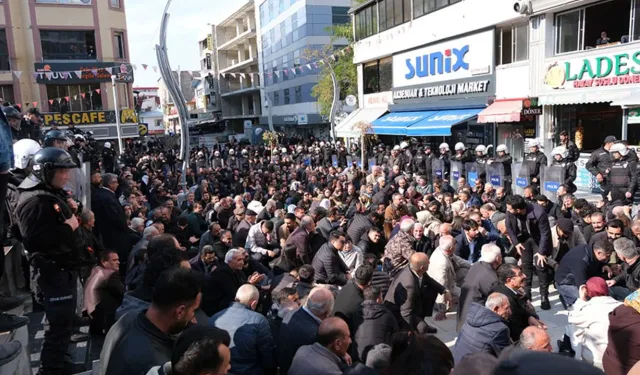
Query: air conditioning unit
523	7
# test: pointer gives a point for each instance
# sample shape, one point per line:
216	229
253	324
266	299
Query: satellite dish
351	100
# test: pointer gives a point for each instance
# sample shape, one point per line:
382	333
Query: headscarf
633	300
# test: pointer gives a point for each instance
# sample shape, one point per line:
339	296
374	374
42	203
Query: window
276	98
422	7
81	98
281	6
378	76
74	2
274	68
596	26
5	61
294	21
68	45
366	22
285	66
6	93
287	100
339	15
114	3
512	44
397	12
118	44
383	15
298	92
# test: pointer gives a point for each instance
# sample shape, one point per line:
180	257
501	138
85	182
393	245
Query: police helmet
460	146
107	145
444	146
10	112
79	138
283	150
216	153
481	149
244	152
232	152
47	160
404	145
502	148
54	135
619	148
560	150
23	152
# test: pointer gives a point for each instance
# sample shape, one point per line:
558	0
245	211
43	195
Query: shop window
378	76
68	45
512	44
386	74
597	119
5	64
597	26
422	7
118	43
80	98
382	15
6	94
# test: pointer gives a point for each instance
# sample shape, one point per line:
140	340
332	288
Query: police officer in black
14	120
503	157
622	173
47	225
55	138
599	162
535	161
573	154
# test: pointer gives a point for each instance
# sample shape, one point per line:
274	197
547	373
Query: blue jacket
463	248
252	346
484	331
6	145
578	266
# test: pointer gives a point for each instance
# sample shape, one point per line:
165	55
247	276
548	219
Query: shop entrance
597	120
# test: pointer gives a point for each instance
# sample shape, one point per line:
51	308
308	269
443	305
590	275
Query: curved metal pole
175	91
334	104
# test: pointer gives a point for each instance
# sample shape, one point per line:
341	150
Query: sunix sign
436	63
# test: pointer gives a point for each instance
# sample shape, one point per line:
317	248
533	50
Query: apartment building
60	55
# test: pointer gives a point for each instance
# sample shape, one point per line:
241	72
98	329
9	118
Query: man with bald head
252	346
535	339
412	295
448	269
301	327
328	355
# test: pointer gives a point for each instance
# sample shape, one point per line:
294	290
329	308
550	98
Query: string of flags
51	74
84	95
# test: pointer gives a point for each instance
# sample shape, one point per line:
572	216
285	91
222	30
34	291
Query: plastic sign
143	130
472	177
551	186
495	180
436	63
456	175
522	182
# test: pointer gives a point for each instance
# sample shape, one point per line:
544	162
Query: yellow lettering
94	117
102	117
75	118
86	118
48	119
57	117
66	119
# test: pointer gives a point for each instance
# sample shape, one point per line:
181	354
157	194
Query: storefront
439	90
373	106
101	123
589	94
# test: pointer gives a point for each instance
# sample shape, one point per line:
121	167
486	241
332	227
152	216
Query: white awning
345	128
577	97
632	101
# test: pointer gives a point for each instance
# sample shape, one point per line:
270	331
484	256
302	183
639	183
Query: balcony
238	39
235	66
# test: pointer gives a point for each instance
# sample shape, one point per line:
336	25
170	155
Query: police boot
10	322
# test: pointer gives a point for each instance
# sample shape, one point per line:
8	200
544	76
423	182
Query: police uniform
622	175
506	162
599	162
535	161
41	213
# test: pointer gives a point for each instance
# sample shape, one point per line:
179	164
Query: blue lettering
437	63
421	66
460	54
412	71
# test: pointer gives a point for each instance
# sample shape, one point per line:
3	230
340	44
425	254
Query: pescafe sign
465	57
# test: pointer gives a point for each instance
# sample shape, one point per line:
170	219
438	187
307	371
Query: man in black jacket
111	221
522	313
629	279
328	266
350	296
371	242
372	324
361	223
175	298
529	231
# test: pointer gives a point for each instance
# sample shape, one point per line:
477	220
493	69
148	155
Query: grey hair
319	307
108	178
85	216
149	232
527	339
136	223
270	204
496	300
624	247
246	294
490	253
231	254
407	225
447	242
207	249
305	221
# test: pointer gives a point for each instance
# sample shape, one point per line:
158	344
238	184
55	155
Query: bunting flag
36	75
66	98
309	66
48	75
50	101
19	106
293	71
286	72
79	73
84	95
144	66
242	75
135	67
35	104
97	91
269	75
155	69
276	73
94	72
109	70
59	100
233	75
17	73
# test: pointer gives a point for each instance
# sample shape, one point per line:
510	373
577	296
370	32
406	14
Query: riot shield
552	178
495	174
349	161
456	172
521	180
372	163
76	183
437	168
472	173
334	161
307	160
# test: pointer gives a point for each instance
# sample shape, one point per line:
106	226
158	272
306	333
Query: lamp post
334	104
115	103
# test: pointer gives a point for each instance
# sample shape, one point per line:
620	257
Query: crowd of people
299	260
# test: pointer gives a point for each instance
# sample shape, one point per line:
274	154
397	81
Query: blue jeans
569	293
619	292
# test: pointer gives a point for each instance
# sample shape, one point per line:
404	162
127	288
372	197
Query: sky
187	25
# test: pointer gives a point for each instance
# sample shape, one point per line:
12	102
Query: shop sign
455	59
381	99
613	69
634	116
143	129
127	116
529	131
530	107
70	73
462	88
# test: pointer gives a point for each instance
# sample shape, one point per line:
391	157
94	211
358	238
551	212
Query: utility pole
175	90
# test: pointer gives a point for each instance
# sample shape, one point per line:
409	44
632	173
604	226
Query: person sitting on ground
328	355
372	324
351	296
535	339
103	292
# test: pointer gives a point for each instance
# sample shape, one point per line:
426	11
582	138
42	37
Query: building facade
60	56
188	82
149	109
286	30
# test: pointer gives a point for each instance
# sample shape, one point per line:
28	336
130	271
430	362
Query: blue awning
397	123
439	124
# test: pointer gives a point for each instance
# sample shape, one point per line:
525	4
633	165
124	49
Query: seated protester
423	243
196	223
628	280
589	322
595	226
511	286
448	269
622	353
211	236
306	277
205	262
399	249
581	208
533	338
372	324
351	255
252	345
564	237
103	292
241	233
261	242
225	244
285	301
184	236
371	241
614	229
176	297
284	231
470	241
579	265
329	267
552	209
485	329
416	354
328	355
198	350
140	298
380	279
350	297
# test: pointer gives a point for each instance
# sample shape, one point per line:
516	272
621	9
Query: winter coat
398	250
360	224
578	266
348	301
483	331
372	324
589	326
329	267
623	348
477	286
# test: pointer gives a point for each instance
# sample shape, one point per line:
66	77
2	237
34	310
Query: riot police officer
506	160
622	173
55	138
561	159
216	161
46	224
599	162
420	162
444	156
482	160
535	160
573	154
108	158
407	157
14	119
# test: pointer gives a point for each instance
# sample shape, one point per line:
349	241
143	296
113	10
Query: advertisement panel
460	58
